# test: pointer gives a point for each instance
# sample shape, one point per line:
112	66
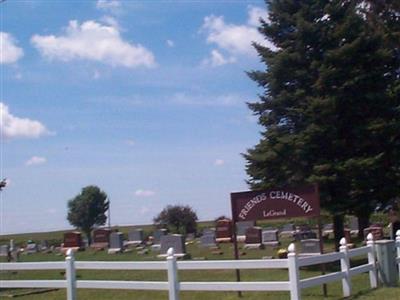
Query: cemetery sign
276	203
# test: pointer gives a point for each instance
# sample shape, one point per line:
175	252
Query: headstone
287	230
305	235
377	232
327	229
101	238
176	241
4	250
158	234
353	224
72	240
241	227
116	242
208	231
310	246
270	237
31	248
253	235
44	245
224	230
135	236
208	240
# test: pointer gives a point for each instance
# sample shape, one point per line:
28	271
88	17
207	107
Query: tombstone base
241	238
156	247
114	250
177	255
132	243
223	240
253	246
99	246
273	244
64	250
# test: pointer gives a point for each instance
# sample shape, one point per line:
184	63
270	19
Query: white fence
293	263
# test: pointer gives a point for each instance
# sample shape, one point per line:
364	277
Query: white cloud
9	51
207	100
93	41
216	59
35	160
255	13
108	4
219	162
14	127
144	193
170	43
236	39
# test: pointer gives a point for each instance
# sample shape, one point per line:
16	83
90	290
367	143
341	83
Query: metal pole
236	253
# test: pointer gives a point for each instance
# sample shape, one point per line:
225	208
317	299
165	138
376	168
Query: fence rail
293	263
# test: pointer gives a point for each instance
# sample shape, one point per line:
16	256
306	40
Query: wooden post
398	248
345	267
236	253
321	246
294	274
173	284
373	278
70	275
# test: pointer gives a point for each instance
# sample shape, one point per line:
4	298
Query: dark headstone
253	235
305	235
310	246
101	235
72	240
224	229
176	241
377	232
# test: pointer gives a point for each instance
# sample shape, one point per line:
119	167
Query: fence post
398	248
345	267
70	275
373	278
173	284
294	273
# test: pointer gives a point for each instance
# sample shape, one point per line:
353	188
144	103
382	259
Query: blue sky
146	99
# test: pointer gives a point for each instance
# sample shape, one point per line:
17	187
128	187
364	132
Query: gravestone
223	230
287	230
72	240
241	227
353	224
305	235
4	250
208	240
310	246
116	242
44	245
135	237
253	238
208	231
327	230
101	238
270	237
377	232
176	241
158	234
31	248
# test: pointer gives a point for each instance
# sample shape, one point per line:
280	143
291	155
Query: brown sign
276	203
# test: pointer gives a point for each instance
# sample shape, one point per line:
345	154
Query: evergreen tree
330	107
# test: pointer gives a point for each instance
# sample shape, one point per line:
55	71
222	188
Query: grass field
360	283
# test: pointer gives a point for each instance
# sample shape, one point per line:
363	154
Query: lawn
360	283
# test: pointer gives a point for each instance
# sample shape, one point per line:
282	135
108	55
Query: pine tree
330	106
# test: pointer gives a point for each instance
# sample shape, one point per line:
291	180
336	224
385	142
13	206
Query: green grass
360	283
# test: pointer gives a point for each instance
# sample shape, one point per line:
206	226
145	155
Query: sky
145	99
